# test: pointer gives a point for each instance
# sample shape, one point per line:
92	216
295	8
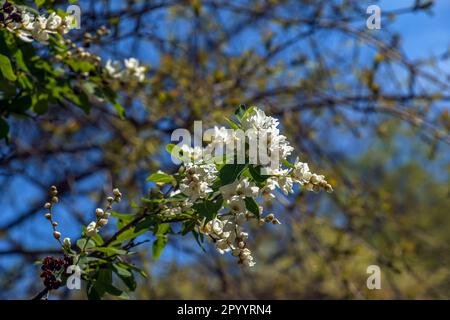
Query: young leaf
209	208
158	246
240	111
230	172
161	178
6	68
252	206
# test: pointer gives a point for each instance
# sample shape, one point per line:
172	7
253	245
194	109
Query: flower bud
55	224
110	199
99	212
48	205
276	221
48	216
55	199
116	192
57	235
67	242
102	222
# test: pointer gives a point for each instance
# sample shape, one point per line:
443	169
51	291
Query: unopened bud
102	222
67	242
116	192
99	212
48	216
57	235
48	205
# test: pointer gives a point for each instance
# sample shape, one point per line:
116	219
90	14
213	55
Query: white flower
217	226
258	120
53	22
229	190
247	188
198	179
133	71
191	155
237	205
269	188
301	172
68	23
113	69
241	189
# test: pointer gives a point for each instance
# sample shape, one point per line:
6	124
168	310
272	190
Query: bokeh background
368	108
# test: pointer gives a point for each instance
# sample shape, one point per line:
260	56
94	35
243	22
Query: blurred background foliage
365	107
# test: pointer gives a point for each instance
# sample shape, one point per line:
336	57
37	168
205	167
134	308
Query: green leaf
199	238
122	219
119	109
188	226
230	172
209	208
174	151
158	246
162	229
110	251
161	178
145	224
252	206
255	172
116	292
134	268
97	289
20	61
4	128
97	239
6	68
85	244
123	272
288	164
127	235
240	110
232	124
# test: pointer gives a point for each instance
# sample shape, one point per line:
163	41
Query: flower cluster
133	72
228	235
52	268
102	216
29	27
201	181
198	179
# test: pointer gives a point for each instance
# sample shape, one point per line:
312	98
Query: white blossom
32	27
131	72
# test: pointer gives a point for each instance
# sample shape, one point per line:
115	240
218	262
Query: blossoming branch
206	198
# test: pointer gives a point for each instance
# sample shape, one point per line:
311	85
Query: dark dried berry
68	261
16	17
8	7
